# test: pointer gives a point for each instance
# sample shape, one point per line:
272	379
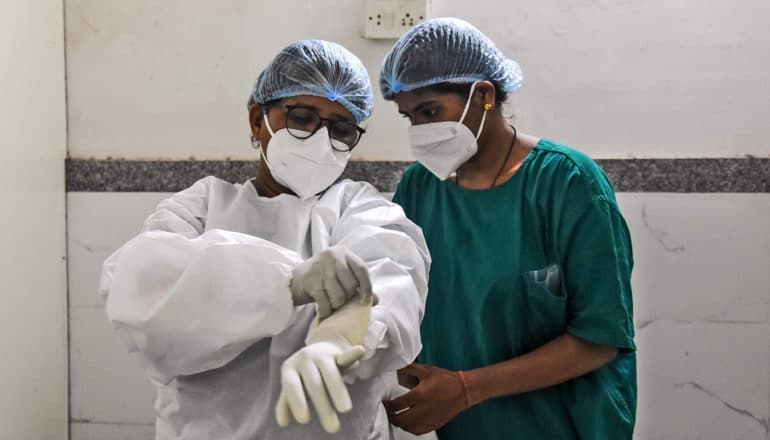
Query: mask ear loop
483	119
261	150
267	124
468	105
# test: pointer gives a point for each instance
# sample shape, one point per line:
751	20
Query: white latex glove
317	367
329	279
332	344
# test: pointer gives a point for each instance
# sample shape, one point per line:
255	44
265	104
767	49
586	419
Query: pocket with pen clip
547	278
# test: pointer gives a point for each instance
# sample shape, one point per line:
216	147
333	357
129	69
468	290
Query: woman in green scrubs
528	330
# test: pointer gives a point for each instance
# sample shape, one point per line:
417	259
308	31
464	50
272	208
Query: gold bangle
465	389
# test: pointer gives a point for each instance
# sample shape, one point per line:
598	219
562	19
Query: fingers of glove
334	385
345	276
335	291
282	411
323	304
303	282
295	395
349	356
361	272
312	280
330	423
314	386
298	295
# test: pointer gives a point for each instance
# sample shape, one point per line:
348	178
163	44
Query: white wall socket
389	19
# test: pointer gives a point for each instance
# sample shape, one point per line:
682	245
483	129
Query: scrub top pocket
549	278
546	304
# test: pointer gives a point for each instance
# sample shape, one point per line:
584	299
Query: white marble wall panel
702	309
97	224
111	431
110	399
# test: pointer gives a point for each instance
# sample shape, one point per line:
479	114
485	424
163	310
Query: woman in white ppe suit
218	296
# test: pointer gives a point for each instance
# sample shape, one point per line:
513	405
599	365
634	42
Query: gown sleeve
186	301
397	256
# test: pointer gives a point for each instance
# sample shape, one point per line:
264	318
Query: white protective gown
201	297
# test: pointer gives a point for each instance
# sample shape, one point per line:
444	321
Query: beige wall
33	299
618	79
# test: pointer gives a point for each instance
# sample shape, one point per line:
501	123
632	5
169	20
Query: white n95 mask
305	166
443	146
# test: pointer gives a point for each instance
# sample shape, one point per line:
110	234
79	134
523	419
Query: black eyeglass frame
330	123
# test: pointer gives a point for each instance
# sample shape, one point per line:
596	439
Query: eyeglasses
303	122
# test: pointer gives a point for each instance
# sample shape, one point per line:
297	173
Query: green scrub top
490	299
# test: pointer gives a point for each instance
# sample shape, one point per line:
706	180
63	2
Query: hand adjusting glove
329	279
436	397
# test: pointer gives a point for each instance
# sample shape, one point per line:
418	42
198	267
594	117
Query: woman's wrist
466	393
475	386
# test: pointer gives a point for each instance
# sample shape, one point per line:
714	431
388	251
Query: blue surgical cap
317	68
446	50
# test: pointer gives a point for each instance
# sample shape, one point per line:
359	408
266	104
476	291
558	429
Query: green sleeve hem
622	343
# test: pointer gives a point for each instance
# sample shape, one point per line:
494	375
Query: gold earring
487	106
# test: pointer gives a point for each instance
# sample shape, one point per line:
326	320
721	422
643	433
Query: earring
255	143
487	107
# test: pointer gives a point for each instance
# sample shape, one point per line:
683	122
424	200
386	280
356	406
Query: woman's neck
494	147
265	184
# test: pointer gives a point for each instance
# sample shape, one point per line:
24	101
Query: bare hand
436	397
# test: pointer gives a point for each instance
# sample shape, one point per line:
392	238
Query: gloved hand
329	279
317	367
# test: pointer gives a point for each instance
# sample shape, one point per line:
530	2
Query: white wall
33	300
657	78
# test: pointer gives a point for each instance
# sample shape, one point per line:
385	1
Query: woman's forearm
560	360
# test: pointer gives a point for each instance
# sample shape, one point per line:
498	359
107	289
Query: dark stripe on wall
737	175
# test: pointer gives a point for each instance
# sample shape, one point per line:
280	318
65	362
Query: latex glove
314	370
329	279
436	397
